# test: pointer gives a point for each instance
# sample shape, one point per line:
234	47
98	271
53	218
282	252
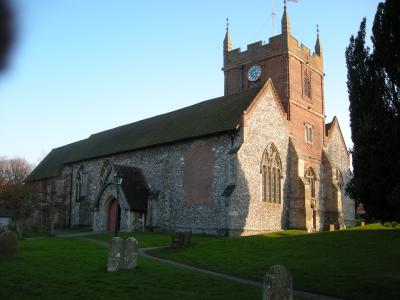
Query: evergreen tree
373	86
6	32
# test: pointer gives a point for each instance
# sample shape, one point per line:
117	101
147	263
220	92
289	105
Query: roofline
334	122
150	146
267	84
257	99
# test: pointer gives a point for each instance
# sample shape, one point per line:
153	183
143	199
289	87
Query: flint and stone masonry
261	158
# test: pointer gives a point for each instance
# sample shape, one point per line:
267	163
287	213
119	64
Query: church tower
297	74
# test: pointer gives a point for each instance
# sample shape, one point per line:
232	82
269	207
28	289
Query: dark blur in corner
6	32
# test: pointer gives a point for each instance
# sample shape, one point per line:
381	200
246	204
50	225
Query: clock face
254	73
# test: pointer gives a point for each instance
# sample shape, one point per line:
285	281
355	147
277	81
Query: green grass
35	234
61	268
359	263
146	239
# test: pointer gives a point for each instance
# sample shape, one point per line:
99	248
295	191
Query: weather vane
227	24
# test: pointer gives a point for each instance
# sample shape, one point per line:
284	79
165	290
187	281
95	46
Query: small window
80	180
308	133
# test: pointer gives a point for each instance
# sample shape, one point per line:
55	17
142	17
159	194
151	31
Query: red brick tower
297	75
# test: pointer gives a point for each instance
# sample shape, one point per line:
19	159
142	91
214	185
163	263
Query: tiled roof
205	118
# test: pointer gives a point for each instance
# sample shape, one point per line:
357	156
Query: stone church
260	158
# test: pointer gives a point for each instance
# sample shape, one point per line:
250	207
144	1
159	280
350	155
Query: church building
260	158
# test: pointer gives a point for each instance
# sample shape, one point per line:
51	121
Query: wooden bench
181	239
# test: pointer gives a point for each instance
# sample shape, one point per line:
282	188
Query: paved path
143	252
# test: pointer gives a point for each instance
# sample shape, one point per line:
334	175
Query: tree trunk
51	221
20	228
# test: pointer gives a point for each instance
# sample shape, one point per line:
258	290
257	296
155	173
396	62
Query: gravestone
277	284
122	254
129	259
8	245
331	227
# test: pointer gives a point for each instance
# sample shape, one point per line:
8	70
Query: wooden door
111	215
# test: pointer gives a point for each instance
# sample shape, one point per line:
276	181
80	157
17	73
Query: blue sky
80	67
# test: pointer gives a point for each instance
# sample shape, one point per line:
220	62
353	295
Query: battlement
277	45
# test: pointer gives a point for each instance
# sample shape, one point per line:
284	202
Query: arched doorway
113	217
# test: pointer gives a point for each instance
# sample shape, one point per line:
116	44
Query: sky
80	67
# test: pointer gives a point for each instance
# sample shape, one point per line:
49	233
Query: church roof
205	118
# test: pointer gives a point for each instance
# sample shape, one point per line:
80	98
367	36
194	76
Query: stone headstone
331	227
8	245
277	284
114	254
362	223
122	254
129	259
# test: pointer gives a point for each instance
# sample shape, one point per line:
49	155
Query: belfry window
310	176
307	84
271	169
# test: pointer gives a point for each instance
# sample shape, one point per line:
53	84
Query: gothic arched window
80	193
310	176
105	171
271	169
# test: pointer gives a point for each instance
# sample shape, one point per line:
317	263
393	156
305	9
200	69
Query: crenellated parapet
277	45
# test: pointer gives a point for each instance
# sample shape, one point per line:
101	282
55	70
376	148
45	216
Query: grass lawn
61	268
146	239
359	263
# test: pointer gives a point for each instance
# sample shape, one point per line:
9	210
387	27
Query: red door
111	219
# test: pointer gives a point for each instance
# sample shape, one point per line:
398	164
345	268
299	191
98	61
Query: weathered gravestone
131	253
8	245
277	284
122	254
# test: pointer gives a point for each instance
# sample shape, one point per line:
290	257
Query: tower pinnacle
227	39
285	21
318	48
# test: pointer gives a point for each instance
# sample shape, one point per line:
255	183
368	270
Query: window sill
271	203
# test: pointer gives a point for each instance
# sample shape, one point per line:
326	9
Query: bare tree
20	198
54	201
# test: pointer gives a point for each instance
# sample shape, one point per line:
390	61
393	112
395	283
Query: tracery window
271	169
307	84
310	176
105	171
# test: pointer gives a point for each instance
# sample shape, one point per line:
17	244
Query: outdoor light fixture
118	181
117	178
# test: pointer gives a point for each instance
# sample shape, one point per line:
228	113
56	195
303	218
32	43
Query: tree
6	32
373	86
16	196
53	203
